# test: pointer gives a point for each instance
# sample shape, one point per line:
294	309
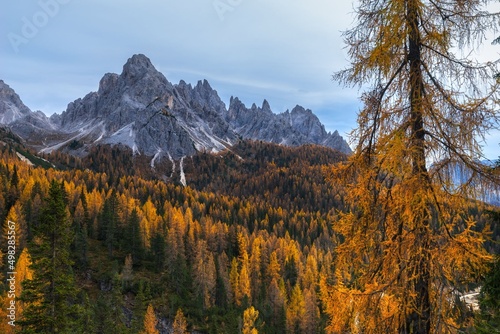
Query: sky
285	51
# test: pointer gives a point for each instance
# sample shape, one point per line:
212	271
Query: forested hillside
245	245
242	246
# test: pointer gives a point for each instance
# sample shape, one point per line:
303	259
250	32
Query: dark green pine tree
87	223
158	249
489	301
87	319
132	242
13	192
108	227
139	309
50	297
110	317
79	246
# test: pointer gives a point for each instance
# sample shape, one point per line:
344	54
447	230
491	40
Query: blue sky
55	51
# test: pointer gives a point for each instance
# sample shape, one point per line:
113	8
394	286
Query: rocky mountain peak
108	82
207	96
138	66
11	106
203	85
298	110
266	107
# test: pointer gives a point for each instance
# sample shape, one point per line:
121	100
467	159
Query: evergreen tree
132	242
13	192
109	223
79	246
111	317
138	310
104	322
158	252
87	322
489	301
50	296
117	306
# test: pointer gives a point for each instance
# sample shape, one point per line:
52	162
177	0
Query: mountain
142	110
15	115
11	106
295	128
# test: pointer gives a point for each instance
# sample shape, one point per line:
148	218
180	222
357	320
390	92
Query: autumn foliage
248	245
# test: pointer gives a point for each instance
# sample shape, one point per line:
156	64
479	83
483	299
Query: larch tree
180	323
408	241
150	321
250	316
16	219
244	283
23	272
295	310
234	279
205	274
310	320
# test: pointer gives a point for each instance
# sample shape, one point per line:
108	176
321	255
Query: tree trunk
418	321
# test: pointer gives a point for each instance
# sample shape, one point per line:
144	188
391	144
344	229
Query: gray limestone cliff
141	109
298	127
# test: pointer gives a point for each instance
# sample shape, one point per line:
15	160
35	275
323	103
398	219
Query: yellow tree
150	321
205	274
234	282
180	323
15	223
408	240
150	223
310	322
255	267
295	310
244	276
250	315
23	272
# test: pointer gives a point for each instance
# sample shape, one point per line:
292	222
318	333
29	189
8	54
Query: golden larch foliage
250	316
180	323
150	321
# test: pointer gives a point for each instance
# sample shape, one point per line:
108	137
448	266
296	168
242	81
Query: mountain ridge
141	109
